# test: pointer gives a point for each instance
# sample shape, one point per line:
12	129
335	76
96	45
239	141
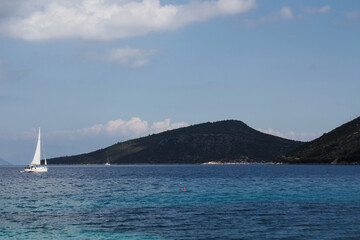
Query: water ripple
150	202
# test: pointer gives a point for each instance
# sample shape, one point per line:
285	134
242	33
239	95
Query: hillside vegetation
223	141
340	146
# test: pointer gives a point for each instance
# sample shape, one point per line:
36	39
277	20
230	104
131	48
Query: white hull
36	169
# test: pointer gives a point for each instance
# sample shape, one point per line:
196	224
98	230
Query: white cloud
135	127
353	14
165	125
107	19
285	13
127	56
304	136
323	9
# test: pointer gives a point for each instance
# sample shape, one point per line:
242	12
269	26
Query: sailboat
35	165
107	162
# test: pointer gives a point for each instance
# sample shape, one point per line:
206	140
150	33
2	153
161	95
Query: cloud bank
135	127
37	20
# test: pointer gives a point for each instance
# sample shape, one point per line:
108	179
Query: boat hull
36	169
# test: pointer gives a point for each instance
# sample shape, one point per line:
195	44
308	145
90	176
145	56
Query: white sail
37	155
35	165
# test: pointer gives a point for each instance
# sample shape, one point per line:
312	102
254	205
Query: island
229	141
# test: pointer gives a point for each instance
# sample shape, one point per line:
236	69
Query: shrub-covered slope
223	141
340	146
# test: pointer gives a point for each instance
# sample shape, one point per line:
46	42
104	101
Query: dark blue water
149	202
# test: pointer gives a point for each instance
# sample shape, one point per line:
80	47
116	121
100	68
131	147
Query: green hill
340	146
223	141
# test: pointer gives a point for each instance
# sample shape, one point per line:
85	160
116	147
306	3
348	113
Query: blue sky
95	72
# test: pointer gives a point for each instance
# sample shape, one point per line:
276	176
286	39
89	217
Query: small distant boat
35	165
107	162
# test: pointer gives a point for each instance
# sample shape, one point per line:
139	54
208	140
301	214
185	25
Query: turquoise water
149	202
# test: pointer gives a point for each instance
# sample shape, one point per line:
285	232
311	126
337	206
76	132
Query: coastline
238	163
211	163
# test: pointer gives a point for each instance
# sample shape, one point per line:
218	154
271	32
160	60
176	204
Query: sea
181	202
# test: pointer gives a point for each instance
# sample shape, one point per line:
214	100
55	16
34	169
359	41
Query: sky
92	73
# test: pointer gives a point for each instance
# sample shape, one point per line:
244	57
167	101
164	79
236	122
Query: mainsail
37	155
